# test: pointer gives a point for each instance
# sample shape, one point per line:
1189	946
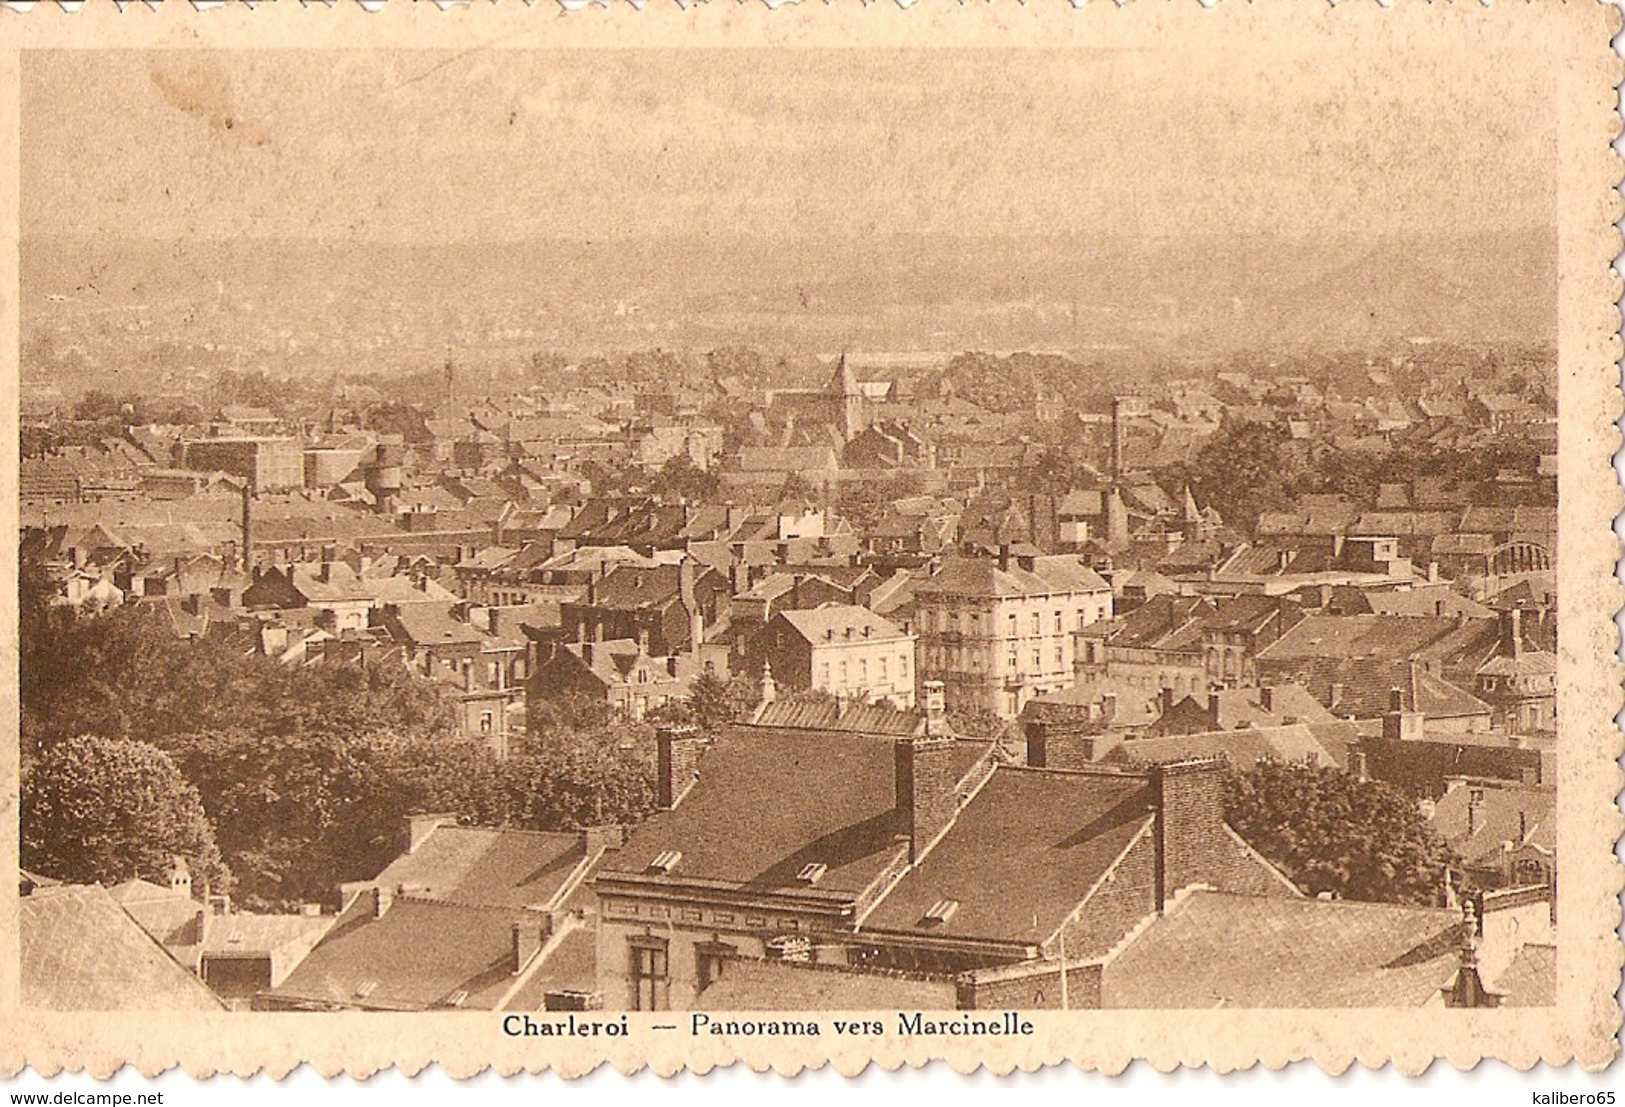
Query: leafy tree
680	479
96	404
713	702
576	780
298	814
102	810
402	419
124	674
1243	470
976	722
1329	831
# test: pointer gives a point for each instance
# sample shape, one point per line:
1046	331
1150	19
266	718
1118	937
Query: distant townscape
735	680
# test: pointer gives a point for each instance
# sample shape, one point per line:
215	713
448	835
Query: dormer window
940	912
811	874
666	861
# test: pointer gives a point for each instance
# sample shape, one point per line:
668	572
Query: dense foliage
125	674
1329	831
103	810
306	772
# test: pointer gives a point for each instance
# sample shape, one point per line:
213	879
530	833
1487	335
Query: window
485	722
844	676
863	669
1057	622
902	667
1013	630
882	668
710	959
1038	623
823	675
649	973
1010	660
1060	656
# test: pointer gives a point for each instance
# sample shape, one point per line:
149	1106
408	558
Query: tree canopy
125	674
1329	831
103	810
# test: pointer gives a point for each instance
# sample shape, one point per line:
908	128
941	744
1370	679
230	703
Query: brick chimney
1192	846
677	757
1512	633
1399	724
1066	745
926	793
526	943
381	899
1266	697
200	926
1213	706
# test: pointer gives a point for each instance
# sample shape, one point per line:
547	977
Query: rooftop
1219	950
1021	855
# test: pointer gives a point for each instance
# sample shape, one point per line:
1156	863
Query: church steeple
844	383
847	400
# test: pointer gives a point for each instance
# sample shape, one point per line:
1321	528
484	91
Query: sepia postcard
836	535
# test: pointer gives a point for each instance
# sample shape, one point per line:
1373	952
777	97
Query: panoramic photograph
562	533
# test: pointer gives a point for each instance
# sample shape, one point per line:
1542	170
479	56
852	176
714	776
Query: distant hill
1193	295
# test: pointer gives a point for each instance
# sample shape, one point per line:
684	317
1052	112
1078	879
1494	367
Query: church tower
847	402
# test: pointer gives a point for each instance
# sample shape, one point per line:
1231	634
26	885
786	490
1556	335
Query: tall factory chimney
1117	438
248	527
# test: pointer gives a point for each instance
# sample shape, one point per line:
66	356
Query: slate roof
1530	979
1243	748
424	624
1136	705
822	713
1497	818
417	956
964	576
1426	602
506	868
169	917
450	931
1164	623
795	459
832	622
82	952
1213	949
767	804
1020	856
1356	636
631	586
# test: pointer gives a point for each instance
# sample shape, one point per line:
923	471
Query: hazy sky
515	144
